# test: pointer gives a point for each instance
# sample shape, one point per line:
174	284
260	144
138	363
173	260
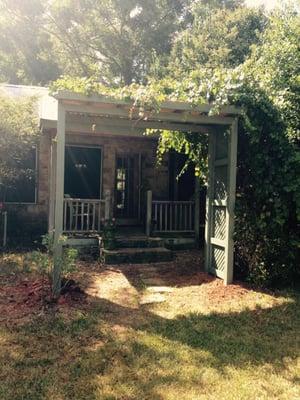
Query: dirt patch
28	297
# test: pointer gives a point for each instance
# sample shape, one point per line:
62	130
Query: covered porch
129	190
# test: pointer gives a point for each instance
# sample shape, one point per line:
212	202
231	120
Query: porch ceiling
172	116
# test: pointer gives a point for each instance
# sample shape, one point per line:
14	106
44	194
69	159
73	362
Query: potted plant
109	234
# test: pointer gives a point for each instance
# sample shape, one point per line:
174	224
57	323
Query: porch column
220	201
107	199
52	168
231	170
197	211
149	213
59	197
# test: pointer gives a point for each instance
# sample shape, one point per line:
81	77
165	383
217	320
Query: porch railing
173	216
170	216
83	216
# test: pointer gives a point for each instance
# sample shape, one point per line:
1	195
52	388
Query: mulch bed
32	297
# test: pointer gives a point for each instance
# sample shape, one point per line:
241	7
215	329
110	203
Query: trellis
222	130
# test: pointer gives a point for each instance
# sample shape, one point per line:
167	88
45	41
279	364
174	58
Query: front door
127	189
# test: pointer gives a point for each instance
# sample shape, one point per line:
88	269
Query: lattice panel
218	258
219	222
221	146
220	186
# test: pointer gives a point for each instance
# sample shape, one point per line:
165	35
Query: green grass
248	350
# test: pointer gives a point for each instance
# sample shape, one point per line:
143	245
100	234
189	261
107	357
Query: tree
26	55
276	64
18	135
113	40
218	37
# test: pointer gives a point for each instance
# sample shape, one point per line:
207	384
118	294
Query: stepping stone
159	289
152	298
153	281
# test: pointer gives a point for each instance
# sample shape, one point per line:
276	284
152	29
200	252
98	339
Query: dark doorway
82	172
127	187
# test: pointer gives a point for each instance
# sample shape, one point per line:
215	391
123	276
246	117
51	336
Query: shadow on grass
113	352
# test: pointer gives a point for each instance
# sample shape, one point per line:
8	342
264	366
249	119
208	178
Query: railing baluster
94	215
99	218
81	216
88	217
160	217
70	207
65	216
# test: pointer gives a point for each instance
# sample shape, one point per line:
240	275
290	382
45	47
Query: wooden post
209	199
232	161
52	188
59	199
149	213
197	212
4	229
107	199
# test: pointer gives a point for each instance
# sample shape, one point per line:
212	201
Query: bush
268	181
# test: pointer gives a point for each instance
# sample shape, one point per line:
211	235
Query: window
82	172
22	189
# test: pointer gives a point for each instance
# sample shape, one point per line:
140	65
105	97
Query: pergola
222	156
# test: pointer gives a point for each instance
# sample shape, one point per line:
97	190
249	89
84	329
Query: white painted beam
232	156
59	199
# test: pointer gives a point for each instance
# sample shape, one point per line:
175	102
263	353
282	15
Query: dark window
82	172
23	188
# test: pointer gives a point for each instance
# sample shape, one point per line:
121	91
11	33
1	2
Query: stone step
139	242
137	255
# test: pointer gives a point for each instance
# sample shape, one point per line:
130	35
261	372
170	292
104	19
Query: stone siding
155	178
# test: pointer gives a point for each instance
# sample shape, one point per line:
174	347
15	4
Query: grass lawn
149	332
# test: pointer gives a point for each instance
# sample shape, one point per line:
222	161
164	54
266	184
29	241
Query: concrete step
137	255
139	242
87	247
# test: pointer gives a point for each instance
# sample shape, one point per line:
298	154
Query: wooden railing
173	216
83	216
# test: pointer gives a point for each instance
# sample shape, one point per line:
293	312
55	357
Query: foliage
19	132
113	40
43	261
26	52
276	63
218	37
109	234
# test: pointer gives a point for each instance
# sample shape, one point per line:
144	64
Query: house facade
103	157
